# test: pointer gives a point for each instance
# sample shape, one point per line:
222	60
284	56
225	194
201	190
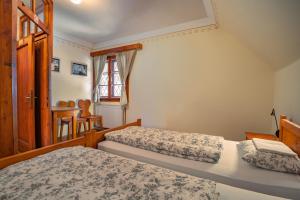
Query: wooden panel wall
8	86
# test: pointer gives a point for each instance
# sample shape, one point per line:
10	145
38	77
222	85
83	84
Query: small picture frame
55	65
79	69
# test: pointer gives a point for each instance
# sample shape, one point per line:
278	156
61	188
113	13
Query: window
110	83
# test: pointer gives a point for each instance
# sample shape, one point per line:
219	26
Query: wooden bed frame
289	134
90	139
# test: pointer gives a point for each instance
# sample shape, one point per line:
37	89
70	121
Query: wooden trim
48	21
97	137
32	16
4	162
117	49
290	134
8	76
111	98
91	139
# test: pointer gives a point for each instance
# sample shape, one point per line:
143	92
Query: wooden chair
84	105
65	120
68	120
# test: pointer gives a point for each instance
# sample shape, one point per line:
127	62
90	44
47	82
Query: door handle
28	99
31	98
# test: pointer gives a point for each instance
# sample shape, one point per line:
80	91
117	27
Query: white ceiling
271	28
97	21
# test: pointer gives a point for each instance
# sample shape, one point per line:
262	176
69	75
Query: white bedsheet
230	169
232	193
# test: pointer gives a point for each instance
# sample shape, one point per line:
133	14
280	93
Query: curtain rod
117	49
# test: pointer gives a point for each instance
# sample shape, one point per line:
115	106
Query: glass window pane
40	9
32	27
27	3
25	28
117	79
104	79
103	91
116	66
117	90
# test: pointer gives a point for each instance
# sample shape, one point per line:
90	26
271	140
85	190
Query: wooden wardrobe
25	116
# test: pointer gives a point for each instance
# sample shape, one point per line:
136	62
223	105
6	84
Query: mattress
230	169
85	173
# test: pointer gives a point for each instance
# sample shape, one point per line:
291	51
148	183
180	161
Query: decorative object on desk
273	113
55	65
79	69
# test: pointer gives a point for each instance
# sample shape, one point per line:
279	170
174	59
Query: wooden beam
33	17
8	83
117	49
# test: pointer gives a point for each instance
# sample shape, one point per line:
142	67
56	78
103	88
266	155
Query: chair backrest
71	104
66	104
84	106
62	104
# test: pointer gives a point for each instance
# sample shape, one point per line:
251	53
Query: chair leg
84	126
90	124
61	131
69	130
100	121
79	128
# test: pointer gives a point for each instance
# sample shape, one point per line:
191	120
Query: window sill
108	103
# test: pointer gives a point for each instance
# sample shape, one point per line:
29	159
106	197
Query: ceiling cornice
72	39
209	20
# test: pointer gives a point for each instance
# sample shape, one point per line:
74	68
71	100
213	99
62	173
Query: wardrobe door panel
43	113
26	94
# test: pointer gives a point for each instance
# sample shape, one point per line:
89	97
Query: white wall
287	91
200	81
66	86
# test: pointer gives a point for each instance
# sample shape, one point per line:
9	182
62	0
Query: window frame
110	98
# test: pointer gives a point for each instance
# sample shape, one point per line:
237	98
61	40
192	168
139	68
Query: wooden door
26	94
42	71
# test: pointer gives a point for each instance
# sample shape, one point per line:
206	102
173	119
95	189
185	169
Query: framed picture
55	65
79	69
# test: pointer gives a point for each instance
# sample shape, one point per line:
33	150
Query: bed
79	172
230	169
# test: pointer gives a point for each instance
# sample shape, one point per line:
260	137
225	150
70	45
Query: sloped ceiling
269	27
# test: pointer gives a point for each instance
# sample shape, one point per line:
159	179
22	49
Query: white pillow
267	160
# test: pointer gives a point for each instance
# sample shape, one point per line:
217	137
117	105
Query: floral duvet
85	173
193	146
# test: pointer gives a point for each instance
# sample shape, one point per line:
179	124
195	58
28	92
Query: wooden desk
60	112
250	136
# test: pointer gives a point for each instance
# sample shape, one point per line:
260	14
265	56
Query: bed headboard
290	134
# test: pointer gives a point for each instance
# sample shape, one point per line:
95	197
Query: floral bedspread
85	173
193	146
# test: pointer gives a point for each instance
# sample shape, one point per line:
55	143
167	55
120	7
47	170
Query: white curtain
125	62
99	63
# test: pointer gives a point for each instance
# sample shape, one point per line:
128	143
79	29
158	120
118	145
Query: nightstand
250	136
